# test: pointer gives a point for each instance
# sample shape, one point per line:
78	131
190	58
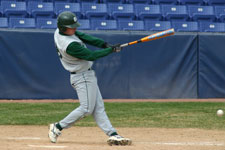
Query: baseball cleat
53	133
118	140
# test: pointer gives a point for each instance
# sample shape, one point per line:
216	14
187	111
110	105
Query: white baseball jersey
70	63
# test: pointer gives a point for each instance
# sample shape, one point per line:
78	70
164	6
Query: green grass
140	114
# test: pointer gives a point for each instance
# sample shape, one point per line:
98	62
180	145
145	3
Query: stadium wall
186	65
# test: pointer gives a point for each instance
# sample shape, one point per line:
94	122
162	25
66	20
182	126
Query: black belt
78	72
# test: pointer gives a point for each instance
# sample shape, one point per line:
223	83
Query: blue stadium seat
157	25
216	2
73	7
175	12
212	27
59	1
201	13
104	25
22	23
191	2
139	1
41	9
1	13
44	0
14	9
93	10
130	25
121	11
220	13
87	1
185	26
164	2
46	23
8	0
84	24
147	12
4	22
113	1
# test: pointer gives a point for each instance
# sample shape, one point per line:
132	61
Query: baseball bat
151	37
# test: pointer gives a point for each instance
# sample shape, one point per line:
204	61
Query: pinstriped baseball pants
91	102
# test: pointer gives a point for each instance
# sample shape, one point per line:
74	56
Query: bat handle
124	45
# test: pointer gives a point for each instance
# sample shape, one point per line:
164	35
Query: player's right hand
116	48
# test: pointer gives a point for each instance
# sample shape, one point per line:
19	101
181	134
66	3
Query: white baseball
220	112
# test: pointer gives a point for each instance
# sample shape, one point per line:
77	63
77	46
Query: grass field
137	114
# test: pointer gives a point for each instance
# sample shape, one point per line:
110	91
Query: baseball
219	112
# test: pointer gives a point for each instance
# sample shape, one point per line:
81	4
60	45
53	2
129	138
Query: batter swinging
77	59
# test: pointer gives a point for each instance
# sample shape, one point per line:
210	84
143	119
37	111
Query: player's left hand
106	45
116	48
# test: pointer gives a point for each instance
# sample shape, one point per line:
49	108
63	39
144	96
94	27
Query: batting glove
116	48
106	45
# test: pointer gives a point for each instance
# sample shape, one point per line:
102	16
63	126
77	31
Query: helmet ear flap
62	29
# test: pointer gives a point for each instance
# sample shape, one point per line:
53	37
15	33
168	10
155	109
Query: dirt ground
92	138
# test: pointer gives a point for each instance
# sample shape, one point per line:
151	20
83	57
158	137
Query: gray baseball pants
91	102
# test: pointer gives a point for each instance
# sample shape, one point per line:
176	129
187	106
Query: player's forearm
91	40
78	51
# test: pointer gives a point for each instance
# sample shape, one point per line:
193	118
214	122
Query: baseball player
78	59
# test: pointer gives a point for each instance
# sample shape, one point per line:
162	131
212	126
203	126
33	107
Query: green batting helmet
67	19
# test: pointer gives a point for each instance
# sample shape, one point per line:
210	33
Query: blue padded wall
165	68
186	65
29	67
211	66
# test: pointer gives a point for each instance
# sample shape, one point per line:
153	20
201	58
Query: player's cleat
53	132
118	140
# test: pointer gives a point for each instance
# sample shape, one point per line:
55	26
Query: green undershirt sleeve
75	49
90	39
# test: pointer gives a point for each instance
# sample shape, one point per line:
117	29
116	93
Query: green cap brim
75	25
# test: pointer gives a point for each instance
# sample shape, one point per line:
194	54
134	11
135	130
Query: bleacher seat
104	25
175	12
84	24
92	10
212	27
130	25
216	2
46	23
220	13
121	11
113	1
87	1
201	13
174	2
36	0
185	26
58	1
3	22
191	2
14	9
43	0
139	1
22	23
157	25
1	13
46	0
41	9
147	12
73	7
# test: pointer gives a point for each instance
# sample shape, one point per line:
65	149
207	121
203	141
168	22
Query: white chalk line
155	143
47	146
23	138
186	143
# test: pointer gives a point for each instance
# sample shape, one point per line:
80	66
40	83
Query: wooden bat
151	37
